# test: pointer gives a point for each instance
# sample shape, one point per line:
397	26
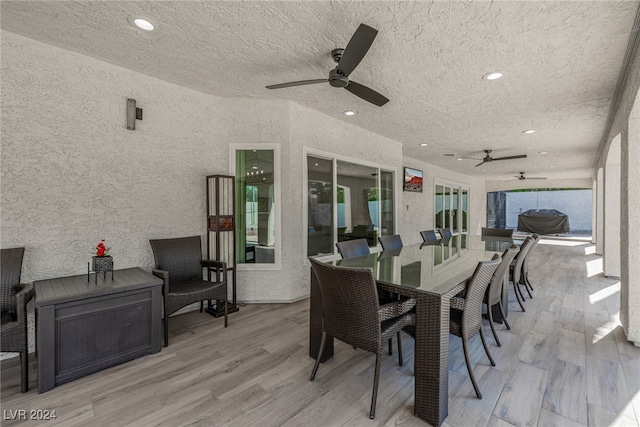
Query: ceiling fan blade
481	163
471	158
356	49
521	156
366	93
300	83
535	177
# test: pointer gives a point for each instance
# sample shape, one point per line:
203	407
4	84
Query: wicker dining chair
466	311
353	248
525	264
515	271
351	313
493	295
179	263
390	242
430	235
14	298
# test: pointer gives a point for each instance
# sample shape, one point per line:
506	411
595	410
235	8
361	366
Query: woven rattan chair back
353	248
180	256
500	232
534	244
390	242
500	276
430	235
350	305
10	271
475	290
524	250
445	233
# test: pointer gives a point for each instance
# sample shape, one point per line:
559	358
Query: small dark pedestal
100	264
216	308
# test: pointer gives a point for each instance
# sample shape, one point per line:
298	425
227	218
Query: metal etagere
221	233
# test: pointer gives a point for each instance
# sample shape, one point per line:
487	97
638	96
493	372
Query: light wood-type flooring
565	363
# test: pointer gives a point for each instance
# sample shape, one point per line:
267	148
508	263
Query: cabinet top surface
64	289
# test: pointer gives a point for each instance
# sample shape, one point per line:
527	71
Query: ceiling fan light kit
348	59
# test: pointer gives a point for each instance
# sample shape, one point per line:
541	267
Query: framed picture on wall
412	180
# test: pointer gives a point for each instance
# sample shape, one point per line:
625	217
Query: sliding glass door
346	200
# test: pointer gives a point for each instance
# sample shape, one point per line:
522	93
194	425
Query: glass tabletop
421	267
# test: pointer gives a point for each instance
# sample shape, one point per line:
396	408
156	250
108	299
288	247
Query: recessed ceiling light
459	159
143	24
484	170
349	113
529	131
492	76
254	167
552	166
423	144
543	152
316	164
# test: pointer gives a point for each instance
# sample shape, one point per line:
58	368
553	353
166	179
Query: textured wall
417	209
72	174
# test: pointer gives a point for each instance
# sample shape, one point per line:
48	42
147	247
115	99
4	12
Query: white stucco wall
72	173
417	209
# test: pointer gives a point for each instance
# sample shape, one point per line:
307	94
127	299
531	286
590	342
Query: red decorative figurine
101	249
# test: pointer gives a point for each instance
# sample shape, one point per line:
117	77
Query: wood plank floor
564	363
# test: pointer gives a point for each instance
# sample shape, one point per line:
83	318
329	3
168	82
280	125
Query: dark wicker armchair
466	312
494	293
179	263
352	314
14	298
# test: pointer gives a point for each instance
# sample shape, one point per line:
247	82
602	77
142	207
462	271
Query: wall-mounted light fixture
133	114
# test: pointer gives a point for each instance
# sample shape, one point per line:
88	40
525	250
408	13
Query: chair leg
166	330
504	318
526	279
376	380
400	361
390	347
520	291
226	312
486	349
515	291
493	329
24	371
466	359
524	283
315	366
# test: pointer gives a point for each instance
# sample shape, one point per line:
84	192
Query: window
256	168
347	200
450	210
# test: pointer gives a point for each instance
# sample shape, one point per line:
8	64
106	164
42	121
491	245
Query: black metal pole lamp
133	114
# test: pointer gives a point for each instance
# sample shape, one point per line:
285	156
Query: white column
600	212
594	210
611	261
630	241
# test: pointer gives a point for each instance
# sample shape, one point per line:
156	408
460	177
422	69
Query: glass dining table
424	273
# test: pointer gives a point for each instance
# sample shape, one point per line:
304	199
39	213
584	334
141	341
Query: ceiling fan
522	177
348	59
487	158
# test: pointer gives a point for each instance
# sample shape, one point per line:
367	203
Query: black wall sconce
133	114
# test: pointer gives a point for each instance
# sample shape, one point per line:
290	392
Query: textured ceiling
560	60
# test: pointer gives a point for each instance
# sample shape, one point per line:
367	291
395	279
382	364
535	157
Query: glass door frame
306	152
